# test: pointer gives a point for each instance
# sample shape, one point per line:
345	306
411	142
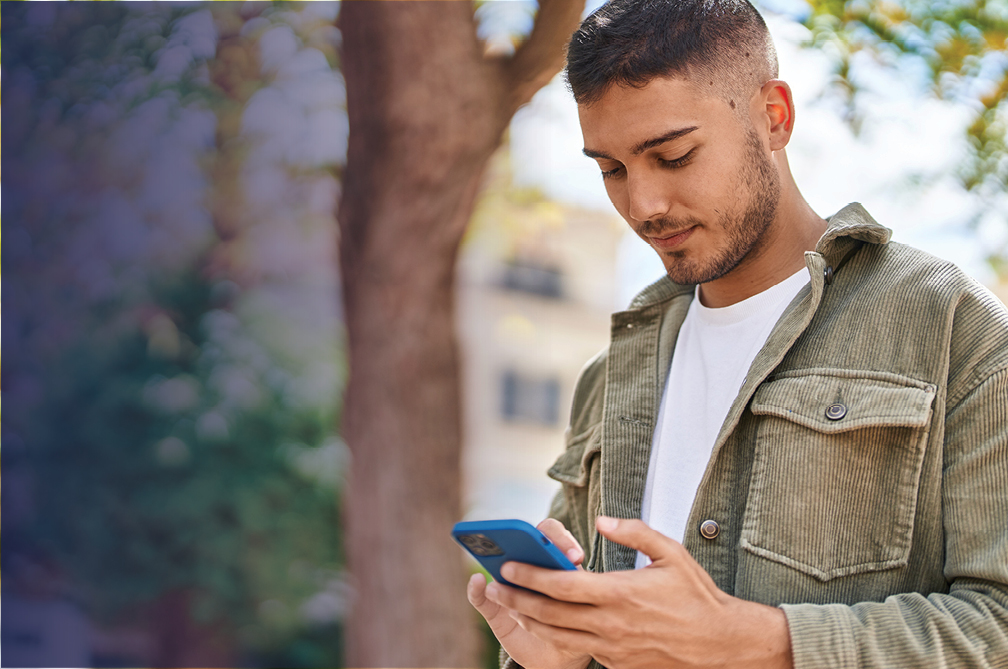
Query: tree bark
426	111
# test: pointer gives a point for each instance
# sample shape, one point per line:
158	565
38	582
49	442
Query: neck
796	228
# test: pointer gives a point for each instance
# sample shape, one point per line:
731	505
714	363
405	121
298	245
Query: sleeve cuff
822	635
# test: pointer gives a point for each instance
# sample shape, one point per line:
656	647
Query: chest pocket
578	469
836	466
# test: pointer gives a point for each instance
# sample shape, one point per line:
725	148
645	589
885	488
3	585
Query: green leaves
964	46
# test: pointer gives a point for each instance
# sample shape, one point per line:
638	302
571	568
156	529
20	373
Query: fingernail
476	578
573	554
606	524
507	571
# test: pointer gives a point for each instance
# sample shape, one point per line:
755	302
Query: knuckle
618	592
564	591
619	628
616	630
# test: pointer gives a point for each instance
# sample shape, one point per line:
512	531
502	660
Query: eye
681	161
613	173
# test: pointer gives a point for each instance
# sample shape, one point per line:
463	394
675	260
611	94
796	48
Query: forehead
627	116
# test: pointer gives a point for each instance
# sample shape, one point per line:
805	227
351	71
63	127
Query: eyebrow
646	144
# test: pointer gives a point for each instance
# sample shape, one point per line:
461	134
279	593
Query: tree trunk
426	111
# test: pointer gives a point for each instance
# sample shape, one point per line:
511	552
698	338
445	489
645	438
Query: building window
534	278
529	400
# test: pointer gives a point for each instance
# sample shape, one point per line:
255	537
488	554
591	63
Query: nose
647	195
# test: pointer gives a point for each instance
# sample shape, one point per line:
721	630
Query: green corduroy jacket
883	535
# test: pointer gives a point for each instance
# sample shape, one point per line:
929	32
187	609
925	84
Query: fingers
521	603
562	539
636	534
498	617
577	587
570	640
476	592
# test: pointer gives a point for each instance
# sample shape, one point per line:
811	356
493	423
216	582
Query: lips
673	240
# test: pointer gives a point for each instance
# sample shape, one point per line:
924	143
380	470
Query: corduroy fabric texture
882	534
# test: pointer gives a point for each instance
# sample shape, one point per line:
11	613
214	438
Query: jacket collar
846	228
851	222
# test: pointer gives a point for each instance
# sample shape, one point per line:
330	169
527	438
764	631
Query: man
811	421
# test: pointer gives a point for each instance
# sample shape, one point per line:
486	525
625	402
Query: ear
778	105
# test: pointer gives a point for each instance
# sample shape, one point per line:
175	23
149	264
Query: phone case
515	540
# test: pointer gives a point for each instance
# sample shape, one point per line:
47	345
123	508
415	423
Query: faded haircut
719	45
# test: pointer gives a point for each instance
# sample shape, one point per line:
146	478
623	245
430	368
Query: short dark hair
631	42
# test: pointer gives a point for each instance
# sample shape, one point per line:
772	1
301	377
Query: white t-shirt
711	359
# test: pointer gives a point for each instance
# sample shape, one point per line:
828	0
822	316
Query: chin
687	272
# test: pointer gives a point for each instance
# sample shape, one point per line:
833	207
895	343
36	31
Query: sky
900	166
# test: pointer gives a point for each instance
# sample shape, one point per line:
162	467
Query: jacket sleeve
968	625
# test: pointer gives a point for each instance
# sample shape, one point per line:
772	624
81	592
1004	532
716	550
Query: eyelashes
681	161
673	164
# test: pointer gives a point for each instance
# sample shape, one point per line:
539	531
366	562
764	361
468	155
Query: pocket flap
574	464
833	401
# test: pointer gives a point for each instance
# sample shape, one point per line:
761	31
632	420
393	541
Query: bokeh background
175	470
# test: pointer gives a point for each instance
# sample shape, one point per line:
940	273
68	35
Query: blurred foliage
514	217
172	396
963	46
503	26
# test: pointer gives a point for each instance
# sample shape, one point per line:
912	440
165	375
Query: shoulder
927	299
921	278
897	274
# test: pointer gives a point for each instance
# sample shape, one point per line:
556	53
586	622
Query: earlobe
780	112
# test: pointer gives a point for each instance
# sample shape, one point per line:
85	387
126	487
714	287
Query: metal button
629	325
828	275
709	529
836	411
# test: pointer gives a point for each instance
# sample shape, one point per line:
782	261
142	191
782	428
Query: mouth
671	241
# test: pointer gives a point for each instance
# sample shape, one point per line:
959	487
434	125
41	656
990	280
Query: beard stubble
745	234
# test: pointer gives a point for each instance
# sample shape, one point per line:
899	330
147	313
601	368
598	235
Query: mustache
666	226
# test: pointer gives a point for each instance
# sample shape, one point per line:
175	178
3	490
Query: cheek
713	191
617	192
705	183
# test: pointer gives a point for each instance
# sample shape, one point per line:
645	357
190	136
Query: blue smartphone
494	542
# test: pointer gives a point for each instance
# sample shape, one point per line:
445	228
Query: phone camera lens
480	545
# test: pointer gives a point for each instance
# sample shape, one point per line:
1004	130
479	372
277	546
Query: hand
668	614
526	649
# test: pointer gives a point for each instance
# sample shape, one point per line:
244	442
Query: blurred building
537	284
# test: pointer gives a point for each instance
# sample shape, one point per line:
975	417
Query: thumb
498	617
635	534
476	592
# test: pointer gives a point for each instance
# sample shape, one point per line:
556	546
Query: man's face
689	174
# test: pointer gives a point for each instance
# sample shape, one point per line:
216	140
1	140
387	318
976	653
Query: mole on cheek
732	103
